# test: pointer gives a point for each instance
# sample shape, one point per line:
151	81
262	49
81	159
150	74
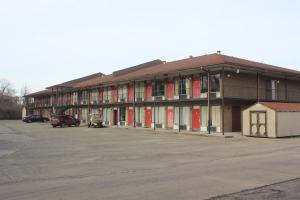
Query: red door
100	95
196	118
130	117
116	94
148	117
170	117
171	89
130	92
196	87
148	90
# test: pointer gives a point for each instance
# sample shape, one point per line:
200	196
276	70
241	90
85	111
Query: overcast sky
44	42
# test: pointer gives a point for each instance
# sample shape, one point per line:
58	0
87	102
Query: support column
154	104
208	102
285	89
179	103
133	104
257	86
223	102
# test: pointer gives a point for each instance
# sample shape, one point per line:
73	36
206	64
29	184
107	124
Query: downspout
179	102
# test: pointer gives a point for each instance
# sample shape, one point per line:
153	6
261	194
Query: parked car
95	121
64	120
35	118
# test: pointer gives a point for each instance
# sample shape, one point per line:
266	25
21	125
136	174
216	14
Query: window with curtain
95	95
122	114
84	95
203	118
215	83
203	84
158	88
139	89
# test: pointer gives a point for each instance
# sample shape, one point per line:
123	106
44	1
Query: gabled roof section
39	93
282	106
72	83
206	61
137	67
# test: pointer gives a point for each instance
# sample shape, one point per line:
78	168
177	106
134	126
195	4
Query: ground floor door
130	117
148	116
115	117
236	118
196	118
170	118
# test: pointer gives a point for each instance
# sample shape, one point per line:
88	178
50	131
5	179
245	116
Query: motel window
184	113
107	93
84	95
272	89
75	97
182	86
203	118
122	91
139	89
159	115
176	115
203	84
139	114
158	88
95	95
215	83
106	114
215	116
122	114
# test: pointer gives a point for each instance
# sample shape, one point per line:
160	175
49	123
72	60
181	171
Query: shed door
236	118
258	123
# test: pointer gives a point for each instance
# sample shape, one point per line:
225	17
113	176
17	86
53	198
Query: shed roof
277	106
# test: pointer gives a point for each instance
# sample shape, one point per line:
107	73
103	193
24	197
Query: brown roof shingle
282	106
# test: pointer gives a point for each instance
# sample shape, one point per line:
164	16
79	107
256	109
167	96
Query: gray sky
44	42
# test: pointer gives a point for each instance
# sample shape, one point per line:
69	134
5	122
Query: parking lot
41	162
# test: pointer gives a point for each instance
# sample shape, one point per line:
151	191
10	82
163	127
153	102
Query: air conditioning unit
106	101
122	123
183	127
158	125
176	97
139	99
203	95
95	102
160	98
218	95
122	100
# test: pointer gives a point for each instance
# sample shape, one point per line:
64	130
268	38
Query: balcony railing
251	92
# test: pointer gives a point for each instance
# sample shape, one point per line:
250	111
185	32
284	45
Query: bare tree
9	107
24	91
6	88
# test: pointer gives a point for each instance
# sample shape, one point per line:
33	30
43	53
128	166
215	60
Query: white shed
272	119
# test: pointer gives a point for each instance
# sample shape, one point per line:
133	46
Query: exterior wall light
237	71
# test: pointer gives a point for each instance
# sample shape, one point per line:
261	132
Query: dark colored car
64	120
35	118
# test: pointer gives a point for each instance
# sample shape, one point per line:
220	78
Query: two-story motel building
205	93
